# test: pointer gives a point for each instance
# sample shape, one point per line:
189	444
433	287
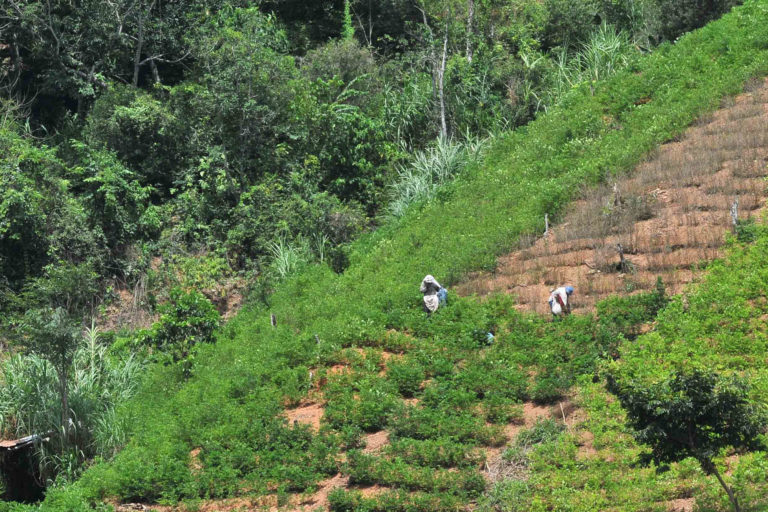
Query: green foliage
97	385
406	376
34	205
51	324
347	30
747	230
234	99
116	203
627	314
693	414
420	180
186	320
442	452
542	431
141	131
681	16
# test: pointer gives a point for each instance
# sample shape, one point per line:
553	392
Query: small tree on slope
692	414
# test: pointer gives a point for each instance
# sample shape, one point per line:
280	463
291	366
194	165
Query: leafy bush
542	431
693	414
187	319
443	452
406	376
747	230
625	315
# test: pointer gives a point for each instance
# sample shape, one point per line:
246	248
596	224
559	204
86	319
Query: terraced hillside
670	216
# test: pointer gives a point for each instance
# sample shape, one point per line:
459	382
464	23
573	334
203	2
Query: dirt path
669	215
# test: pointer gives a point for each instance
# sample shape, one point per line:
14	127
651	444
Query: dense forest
164	147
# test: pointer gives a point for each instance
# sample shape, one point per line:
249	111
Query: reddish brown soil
680	505
195	465
376	441
306	414
669	215
319	500
128	309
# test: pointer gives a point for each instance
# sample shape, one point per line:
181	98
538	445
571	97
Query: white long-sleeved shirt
430	287
553	302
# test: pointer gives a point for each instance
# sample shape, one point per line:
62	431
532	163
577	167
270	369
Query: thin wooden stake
617	200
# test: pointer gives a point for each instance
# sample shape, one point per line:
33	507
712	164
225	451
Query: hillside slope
670	216
224	431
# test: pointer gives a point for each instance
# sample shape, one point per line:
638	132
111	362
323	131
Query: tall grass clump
606	52
99	383
420	179
288	256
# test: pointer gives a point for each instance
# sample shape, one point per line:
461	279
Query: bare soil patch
681	505
319	500
670	215
195	464
376	441
307	414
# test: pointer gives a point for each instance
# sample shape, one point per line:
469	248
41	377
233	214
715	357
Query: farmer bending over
558	300
434	294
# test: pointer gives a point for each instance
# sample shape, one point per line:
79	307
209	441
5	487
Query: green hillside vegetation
163	159
229	402
208	421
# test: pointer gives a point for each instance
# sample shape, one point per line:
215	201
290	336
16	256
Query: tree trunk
441	86
155	72
140	41
728	490
470	28
432	56
137	54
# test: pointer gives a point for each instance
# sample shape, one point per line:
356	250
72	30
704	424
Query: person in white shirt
558	300
431	289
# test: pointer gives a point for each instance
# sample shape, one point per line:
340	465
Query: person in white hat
432	291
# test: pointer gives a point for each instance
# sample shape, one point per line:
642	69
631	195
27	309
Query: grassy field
358	346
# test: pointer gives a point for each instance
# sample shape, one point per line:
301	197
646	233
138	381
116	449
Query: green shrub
406	376
187	319
509	495
442	452
747	230
625	315
543	431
